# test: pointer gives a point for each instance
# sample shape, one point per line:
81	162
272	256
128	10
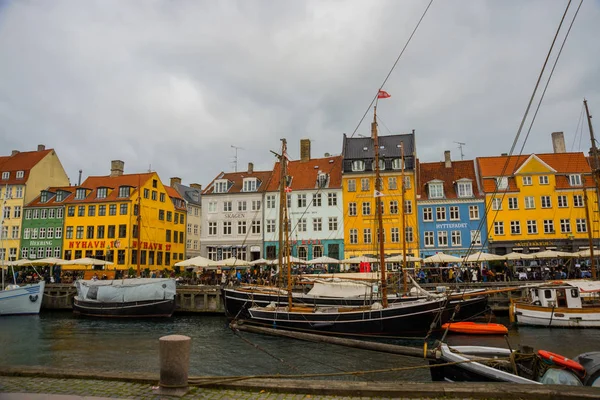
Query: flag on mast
378	193
382	94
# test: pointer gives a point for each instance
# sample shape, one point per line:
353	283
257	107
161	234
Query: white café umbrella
358	260
293	260
87	261
480	256
518	256
42	261
232	262
198	261
260	261
397	259
586	253
442	258
552	254
323	260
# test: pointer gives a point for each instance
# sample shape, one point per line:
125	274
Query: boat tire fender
33	297
537	303
561	361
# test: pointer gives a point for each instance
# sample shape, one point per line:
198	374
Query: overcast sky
172	85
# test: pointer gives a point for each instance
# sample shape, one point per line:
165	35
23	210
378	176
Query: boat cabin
556	296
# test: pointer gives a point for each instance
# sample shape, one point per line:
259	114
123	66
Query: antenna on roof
235	158
460	146
79	181
149	167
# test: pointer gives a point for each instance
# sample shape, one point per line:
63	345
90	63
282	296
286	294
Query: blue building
451	208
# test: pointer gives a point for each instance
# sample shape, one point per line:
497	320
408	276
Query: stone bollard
174	364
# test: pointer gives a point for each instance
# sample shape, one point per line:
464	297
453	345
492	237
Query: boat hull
137	309
23	300
532	315
475	328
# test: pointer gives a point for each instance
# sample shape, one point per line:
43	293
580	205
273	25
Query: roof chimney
14	152
175	180
250	167
304	149
447	160
41	147
558	142
116	168
196	186
504	154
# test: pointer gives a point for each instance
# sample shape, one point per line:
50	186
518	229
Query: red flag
383	94
288	189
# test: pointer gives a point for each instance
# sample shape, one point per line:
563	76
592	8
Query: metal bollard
174	363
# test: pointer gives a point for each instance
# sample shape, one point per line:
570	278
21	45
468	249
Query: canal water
61	340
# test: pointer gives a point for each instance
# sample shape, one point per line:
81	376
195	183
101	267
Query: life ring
33	297
561	361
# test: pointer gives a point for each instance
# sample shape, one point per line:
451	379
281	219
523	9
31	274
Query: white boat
567	304
22	300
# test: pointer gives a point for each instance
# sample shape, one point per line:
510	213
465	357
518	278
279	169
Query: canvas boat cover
126	290
585	286
336	287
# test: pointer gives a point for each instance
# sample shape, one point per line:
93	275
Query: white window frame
358	165
527	181
436	190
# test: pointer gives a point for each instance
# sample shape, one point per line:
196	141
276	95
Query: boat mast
404	270
595	171
378	210
282	198
2	236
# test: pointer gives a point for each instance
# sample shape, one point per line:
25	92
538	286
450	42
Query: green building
43	224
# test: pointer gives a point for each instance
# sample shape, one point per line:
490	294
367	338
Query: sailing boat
377	318
17	299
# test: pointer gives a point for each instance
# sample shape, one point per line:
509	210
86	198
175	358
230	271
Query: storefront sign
235	215
535	244
40	242
88	244
451	226
151	246
306	242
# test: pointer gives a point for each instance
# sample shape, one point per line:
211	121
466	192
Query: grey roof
189	194
354	148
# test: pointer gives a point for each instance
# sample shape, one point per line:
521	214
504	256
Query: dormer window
502	183
436	190
358	165
221	186
5	175
397	163
575	180
80	194
124	191
464	188
44	197
322	180
250	184
59	196
102	193
20	174
381	165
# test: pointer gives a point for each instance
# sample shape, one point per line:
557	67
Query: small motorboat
476	328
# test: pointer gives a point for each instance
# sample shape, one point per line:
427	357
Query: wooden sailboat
377	318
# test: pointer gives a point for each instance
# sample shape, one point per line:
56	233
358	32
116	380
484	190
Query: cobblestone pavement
127	390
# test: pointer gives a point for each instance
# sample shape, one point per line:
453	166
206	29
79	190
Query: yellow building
358	183
539	202
22	176
102	221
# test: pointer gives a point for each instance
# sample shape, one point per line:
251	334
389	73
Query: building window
81	211
90	232
196	228
465	189
397	163
270	201
221	186
241	227
170	216
502	183
227	206
249	185
317	200
365	184
565	226
473	212
366	208
20	174
79	234
498	228
154	195
353	236
212	207
26	232
352	209
301	200
527	181
255	205
100	231
317	224
408	234
161	215
256	227
302	252
212	229
50	212
101	194
546	202
392	184
15	232
442	238
18	192
332	199
227	228
577	200
27	214
575	180
393	207
352	185
395	235
532	227
515	227
436	190
50	234
189	229
456	238
549	226
407	184
496	204
529	202
123	191
70	211
112	209
562	201
427	214
122	231
476	238
270	226
25	252
358	165
333	223
367	235
69	233
513	203
111	232
17	212
543	179
581	225
146	193
454	213
407	207
317	251
42	233
58	232
440	213
80	194
242	206
428	236
162	198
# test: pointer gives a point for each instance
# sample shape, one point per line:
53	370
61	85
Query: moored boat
476	328
22	299
125	298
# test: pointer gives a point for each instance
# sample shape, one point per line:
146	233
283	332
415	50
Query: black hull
402	318
138	309
457	373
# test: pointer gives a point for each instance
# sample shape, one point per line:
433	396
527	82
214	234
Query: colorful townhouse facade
397	155
43	224
115	217
451	208
315	207
538	201
232	215
192	196
22	176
